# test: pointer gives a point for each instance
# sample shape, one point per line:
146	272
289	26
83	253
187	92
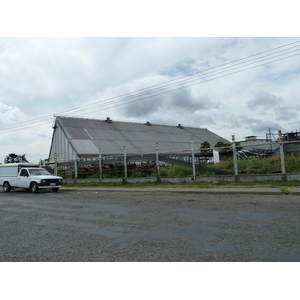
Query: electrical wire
111	105
150	93
217	72
148	89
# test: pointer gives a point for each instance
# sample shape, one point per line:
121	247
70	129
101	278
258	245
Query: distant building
291	142
291	136
270	146
258	146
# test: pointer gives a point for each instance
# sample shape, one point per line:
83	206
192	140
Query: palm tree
14	158
22	158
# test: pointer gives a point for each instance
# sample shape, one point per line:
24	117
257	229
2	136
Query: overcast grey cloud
264	100
43	77
289	114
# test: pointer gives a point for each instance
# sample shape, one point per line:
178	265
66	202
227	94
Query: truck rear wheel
6	187
34	187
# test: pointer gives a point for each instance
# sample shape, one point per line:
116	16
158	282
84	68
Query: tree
14	158
205	147
228	146
22	158
223	145
44	161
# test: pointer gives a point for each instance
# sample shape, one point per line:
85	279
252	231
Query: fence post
55	164
193	160
157	163
125	165
281	152
234	156
100	165
76	169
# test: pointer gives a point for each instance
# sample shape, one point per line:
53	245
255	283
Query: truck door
24	179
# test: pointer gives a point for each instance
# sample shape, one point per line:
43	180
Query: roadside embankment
224	191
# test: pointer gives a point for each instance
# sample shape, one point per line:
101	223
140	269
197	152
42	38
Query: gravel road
95	226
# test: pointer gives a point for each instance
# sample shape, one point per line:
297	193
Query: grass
283	186
285	190
262	165
253	166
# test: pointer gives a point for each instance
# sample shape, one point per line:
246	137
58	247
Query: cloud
264	100
10	115
286	113
179	105
252	125
259	126
46	76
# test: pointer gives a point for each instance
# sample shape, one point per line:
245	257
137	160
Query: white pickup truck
28	176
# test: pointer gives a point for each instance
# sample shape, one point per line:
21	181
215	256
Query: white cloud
264	100
10	115
46	76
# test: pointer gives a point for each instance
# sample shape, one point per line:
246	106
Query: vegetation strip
284	187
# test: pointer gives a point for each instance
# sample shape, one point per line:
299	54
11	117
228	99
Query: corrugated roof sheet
87	136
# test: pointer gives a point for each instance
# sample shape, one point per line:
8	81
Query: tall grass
263	165
251	166
174	171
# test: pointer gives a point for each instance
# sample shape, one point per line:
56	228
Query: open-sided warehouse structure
78	138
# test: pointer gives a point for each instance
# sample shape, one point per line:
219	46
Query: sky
41	77
75	57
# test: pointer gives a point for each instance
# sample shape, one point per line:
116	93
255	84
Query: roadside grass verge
283	186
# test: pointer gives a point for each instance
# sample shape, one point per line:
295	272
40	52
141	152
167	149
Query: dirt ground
107	226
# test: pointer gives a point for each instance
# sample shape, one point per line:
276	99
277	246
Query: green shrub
292	162
164	171
225	165
136	173
262	165
179	171
251	166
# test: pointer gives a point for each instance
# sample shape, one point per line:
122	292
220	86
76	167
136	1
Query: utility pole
270	138
125	165
193	160
234	156
75	169
100	165
281	152
55	164
157	163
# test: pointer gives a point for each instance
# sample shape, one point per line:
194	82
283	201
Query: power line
192	74
165	85
146	96
149	93
189	80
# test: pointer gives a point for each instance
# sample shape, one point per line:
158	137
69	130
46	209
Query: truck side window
24	173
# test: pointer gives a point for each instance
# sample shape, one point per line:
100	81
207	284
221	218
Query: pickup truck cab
28	176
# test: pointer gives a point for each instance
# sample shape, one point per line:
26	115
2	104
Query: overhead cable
226	69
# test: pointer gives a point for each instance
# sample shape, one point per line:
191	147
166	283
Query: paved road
147	225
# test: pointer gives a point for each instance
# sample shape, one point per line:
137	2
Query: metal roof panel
88	135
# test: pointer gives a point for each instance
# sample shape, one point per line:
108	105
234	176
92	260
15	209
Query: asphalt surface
95	225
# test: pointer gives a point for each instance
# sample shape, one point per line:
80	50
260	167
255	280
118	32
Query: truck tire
55	189
34	187
6	187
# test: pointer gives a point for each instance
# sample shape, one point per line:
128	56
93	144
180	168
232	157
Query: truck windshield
38	172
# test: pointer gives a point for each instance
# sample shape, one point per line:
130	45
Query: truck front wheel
6	187
34	187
